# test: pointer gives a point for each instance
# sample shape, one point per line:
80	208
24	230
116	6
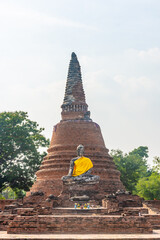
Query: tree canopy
149	187
20	157
135	174
156	164
132	166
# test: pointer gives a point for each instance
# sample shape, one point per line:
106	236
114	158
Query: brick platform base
79	224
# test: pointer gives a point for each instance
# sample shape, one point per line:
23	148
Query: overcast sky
117	43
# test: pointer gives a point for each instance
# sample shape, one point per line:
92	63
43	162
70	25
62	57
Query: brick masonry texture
153	203
79	224
35	207
3	203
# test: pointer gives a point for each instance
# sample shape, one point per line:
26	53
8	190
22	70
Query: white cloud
121	87
133	83
152	54
30	17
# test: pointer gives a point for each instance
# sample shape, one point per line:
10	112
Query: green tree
156	164
142	151
20	158
149	187
132	166
8	193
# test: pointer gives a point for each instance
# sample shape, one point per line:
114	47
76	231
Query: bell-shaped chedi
74	129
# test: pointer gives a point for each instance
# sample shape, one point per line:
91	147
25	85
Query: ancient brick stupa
76	127
52	205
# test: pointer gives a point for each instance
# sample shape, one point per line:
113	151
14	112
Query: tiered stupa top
74	105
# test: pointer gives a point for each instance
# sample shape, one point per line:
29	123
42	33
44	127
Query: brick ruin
49	206
76	127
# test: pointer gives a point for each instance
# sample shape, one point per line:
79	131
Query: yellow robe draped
81	166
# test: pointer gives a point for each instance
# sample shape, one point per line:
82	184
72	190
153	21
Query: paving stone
153	236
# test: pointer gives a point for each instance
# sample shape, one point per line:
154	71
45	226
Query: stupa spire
74	104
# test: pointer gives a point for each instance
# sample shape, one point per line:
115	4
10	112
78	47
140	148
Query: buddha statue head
80	150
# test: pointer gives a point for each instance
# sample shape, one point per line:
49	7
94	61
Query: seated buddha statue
80	168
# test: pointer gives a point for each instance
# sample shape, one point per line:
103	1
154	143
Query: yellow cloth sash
81	166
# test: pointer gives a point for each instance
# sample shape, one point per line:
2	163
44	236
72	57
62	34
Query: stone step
66	211
135	210
154	236
154	220
103	211
91	211
156	226
4	220
79	224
